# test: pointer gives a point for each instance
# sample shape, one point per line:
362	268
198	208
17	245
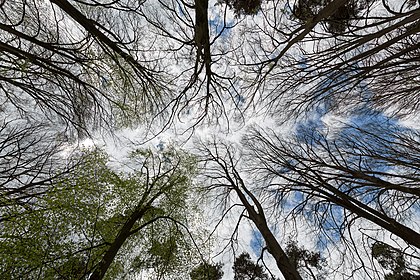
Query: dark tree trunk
112	251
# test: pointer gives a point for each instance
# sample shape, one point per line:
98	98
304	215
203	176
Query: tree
368	58
338	21
220	167
72	68
393	259
355	177
305	260
206	271
243	7
30	161
77	72
96	223
99	64
349	185
245	269
362	176
63	76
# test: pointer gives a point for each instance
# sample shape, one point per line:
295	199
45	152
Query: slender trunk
381	183
202	37
357	207
410	236
90	26
283	263
122	236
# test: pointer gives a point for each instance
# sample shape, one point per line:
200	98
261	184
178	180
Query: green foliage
388	257
163	252
300	257
393	259
401	276
66	231
55	235
206	271
73	268
243	7
245	269
305	10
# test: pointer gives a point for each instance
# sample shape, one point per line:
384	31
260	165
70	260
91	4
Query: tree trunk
283	263
122	236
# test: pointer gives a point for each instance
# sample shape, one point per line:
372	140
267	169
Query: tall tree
98	223
30	160
245	269
206	271
305	260
220	167
75	63
299	63
393	259
370	176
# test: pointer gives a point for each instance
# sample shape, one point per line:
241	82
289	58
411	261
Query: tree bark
282	260
364	211
122	236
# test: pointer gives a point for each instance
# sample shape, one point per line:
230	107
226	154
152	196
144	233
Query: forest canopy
209	139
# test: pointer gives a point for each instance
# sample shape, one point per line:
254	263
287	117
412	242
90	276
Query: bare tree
338	180
96	56
220	168
75	62
371	176
30	162
300	63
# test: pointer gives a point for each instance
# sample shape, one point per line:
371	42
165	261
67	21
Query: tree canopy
95	222
287	130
